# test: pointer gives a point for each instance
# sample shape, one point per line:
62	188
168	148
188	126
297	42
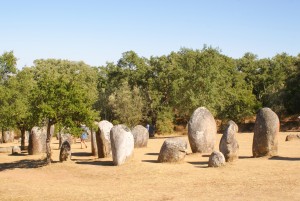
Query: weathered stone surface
94	143
216	159
266	129
140	136
37	140
291	137
16	150
103	139
65	151
173	150
228	143
8	136
122	144
202	131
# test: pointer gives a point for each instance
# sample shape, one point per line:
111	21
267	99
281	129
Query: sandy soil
24	177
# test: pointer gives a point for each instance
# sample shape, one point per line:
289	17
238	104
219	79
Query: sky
99	31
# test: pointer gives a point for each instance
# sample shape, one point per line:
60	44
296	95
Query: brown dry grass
24	177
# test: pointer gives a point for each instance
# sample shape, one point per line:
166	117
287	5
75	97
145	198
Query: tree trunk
94	143
48	140
23	138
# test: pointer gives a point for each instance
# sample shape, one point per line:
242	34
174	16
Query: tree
64	94
127	105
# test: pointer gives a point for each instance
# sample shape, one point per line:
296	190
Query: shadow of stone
99	163
23	164
245	157
150	161
206	155
200	164
20	154
152	154
81	154
281	158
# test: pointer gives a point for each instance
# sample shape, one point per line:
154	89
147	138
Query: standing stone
65	151
173	150
228	143
140	136
266	130
94	142
16	150
8	136
202	131
216	159
37	140
103	139
122	144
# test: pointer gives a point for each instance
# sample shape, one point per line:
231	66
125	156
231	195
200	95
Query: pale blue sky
97	31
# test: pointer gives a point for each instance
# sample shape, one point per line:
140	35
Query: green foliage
164	122
127	105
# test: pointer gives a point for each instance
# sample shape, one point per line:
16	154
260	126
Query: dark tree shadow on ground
92	162
150	161
282	158
245	157
22	164
152	154
81	154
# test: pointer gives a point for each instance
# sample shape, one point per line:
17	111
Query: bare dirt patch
25	177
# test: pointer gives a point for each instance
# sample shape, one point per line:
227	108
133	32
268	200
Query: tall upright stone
228	143
37	140
103	139
140	136
8	136
65	151
202	131
266	130
94	141
122	144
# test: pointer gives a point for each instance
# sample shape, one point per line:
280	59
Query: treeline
161	91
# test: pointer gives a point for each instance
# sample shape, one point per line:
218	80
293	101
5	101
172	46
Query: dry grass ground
24	177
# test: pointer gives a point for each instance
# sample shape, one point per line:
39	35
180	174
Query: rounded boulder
202	131
216	159
103	139
173	150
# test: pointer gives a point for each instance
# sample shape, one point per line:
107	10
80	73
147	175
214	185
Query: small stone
291	137
16	150
173	150
216	159
65	151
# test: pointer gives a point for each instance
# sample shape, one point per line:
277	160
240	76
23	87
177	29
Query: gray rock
66	137
65	151
140	136
37	140
266	129
8	136
103	139
16	150
173	150
216	159
291	137
122	144
228	143
202	131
